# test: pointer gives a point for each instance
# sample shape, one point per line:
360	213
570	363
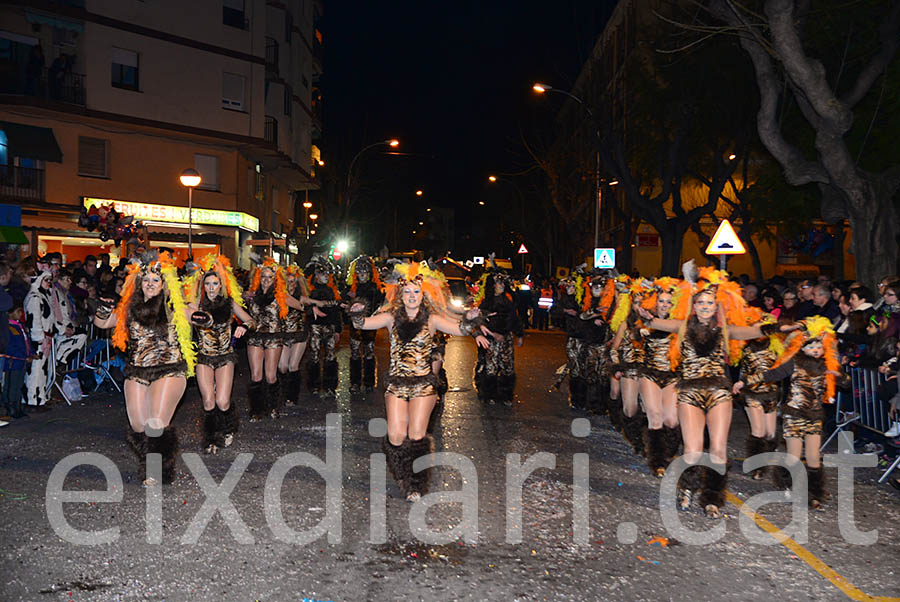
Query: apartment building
111	100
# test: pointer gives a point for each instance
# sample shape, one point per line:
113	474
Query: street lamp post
306	207
542	88
393	143
191	178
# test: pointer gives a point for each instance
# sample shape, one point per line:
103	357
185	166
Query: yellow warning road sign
725	241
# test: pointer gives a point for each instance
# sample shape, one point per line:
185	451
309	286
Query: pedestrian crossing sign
725	241
604	258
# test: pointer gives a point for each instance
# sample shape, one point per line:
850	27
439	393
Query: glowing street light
541	88
342	246
492	178
419	193
481	203
321	163
393	143
306	207
313	216
732	157
190	177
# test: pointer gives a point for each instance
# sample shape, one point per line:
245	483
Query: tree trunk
873	223
672	239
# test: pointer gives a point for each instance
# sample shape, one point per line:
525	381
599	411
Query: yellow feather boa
182	326
623	306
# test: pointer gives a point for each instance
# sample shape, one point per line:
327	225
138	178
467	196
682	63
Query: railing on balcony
61	86
271	134
21	183
271	55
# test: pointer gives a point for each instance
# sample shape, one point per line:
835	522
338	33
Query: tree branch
890	37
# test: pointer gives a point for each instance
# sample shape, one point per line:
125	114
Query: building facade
108	101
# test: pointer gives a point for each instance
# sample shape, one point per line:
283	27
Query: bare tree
773	33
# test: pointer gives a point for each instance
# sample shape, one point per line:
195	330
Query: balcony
21	183
271	56
271	134
59	86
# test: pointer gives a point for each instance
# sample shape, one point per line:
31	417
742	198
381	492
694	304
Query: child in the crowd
815	374
18	352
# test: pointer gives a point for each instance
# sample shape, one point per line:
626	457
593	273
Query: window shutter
124	57
208	166
233	91
92	157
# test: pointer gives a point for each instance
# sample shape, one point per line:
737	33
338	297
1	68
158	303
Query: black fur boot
313	377
228	423
487	389
330	377
655	444
712	498
418	482
356	366
398	462
595	397
577	393
688	485
506	386
616	417
290	390
672	442
211	429
756	445
634	432
369	370
138	444
275	397
167	446
443	384
815	478
256	400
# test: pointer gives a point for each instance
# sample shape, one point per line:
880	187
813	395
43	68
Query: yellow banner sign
179	215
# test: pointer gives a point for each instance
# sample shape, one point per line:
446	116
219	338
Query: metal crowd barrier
77	362
863	407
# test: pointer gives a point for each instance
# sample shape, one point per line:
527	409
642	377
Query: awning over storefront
32	142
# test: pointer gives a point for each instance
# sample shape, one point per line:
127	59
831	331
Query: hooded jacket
38	309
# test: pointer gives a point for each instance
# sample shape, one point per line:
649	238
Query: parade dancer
567	311
495	375
366	288
810	360
324	328
598	298
760	398
214	291
627	349
710	335
294	338
152	323
268	304
658	382
413	313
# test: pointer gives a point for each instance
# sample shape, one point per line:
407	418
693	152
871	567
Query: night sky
451	81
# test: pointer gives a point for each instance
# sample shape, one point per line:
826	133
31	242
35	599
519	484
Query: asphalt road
247	558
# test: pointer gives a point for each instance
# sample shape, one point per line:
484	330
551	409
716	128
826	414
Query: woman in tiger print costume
627	353
414	311
810	360
214	291
296	334
711	328
160	355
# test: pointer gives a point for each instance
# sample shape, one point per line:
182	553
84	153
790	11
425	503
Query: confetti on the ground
662	542
656	562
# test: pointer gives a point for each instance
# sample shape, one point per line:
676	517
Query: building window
233	91
208	166
288	100
233	14
93	157
125	69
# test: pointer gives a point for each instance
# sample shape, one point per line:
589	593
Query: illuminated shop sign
179	215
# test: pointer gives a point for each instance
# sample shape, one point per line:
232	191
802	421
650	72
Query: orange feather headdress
280	285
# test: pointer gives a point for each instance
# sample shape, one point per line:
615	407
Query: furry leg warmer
443	384
398	462
655	444
138	444
330	376
616	417
712	498
688	484
815	478
228	423
256	398
506	386
370	366
672	442
275	397
487	388
211	428
756	445
418	482
313	376
634	432
290	387
167	446
356	369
